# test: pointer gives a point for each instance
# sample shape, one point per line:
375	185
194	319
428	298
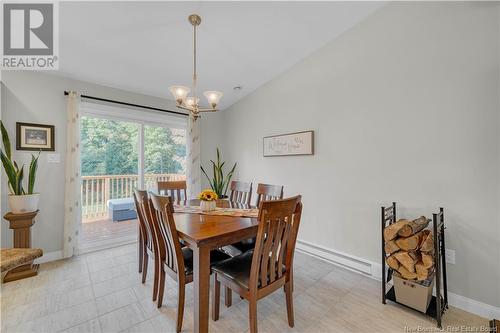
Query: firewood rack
439	303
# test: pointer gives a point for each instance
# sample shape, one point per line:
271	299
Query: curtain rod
66	93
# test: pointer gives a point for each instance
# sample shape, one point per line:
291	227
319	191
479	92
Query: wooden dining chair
254	275
148	242
176	189
176	261
241	192
265	192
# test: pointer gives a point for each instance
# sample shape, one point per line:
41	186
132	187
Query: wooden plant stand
21	224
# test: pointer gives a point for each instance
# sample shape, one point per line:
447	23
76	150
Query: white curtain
72	200
193	157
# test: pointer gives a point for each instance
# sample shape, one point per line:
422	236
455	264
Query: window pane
164	155
109	160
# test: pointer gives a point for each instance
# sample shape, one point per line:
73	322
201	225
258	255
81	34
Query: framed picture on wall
299	143
35	137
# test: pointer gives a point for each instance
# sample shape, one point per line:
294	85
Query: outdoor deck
98	231
103	233
97	190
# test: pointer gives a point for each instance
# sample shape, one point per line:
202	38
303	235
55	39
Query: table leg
201	285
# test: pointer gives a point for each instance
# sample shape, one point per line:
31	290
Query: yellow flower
208	195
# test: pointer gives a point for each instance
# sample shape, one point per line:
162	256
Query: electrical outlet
450	256
54	158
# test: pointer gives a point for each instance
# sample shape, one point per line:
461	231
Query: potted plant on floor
219	182
20	201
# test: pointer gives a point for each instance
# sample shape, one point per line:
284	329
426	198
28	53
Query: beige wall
212	134
405	107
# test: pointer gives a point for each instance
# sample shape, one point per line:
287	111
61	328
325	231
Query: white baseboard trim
374	270
57	255
473	306
49	256
347	261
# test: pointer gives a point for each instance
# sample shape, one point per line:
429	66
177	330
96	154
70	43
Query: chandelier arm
184	108
198	110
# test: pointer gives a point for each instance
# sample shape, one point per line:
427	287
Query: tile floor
101	292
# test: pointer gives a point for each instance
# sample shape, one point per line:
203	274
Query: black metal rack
439	303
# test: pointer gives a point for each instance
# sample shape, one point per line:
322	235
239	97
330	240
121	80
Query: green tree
121	150
110	148
163	150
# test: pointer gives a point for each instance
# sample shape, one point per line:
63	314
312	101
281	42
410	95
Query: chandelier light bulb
180	93
213	98
191	101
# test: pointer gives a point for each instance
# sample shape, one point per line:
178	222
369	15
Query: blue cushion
122	215
121	204
122	209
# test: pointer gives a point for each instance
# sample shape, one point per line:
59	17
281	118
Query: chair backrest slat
282	249
162	212
176	189
267	192
145	221
265	249
241	192
275	243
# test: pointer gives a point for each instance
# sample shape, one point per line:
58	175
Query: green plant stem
15	175
218	182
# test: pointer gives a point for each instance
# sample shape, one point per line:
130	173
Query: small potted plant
219	183
20	201
207	200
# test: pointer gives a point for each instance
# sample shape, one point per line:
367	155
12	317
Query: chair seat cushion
216	256
238	269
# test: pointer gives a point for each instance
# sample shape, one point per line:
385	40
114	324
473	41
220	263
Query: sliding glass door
122	150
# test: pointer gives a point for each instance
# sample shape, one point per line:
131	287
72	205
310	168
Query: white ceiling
147	47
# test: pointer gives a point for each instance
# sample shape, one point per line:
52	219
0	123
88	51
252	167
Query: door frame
140	117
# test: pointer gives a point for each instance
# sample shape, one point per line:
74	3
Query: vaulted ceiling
147	46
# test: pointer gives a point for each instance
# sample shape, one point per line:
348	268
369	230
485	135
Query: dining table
202	233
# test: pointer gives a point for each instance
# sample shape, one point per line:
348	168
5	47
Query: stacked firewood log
409	248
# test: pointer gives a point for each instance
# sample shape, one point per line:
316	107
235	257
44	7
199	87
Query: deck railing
97	190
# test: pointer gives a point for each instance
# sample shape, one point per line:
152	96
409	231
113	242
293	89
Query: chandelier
191	103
